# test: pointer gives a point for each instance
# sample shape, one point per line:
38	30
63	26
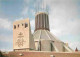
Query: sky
64	19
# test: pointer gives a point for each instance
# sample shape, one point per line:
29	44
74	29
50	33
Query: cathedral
40	40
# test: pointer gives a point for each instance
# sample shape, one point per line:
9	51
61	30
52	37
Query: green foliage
1	54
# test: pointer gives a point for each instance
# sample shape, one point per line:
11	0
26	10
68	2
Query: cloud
63	16
33	12
63	20
27	1
73	45
5	24
6	50
32	31
4	38
19	19
25	11
32	22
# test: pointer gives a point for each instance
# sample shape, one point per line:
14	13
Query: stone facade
22	37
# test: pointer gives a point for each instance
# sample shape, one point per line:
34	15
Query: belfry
22	36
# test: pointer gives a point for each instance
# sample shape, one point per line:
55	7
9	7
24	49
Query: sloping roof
44	34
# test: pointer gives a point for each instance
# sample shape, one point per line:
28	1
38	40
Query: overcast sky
64	19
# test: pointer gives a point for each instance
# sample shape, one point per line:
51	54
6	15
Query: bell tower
22	36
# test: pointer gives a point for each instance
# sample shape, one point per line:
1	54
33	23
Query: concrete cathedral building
44	40
40	40
41	43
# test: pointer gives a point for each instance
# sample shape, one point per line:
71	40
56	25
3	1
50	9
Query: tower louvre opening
41	21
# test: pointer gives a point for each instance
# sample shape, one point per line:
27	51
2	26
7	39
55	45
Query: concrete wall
45	45
22	37
59	46
43	54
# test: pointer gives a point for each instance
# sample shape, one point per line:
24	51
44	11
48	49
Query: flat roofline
40	13
18	21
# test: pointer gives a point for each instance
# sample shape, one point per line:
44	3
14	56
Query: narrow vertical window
51	47
42	20
37	21
45	21
26	25
40	45
22	24
18	25
14	26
